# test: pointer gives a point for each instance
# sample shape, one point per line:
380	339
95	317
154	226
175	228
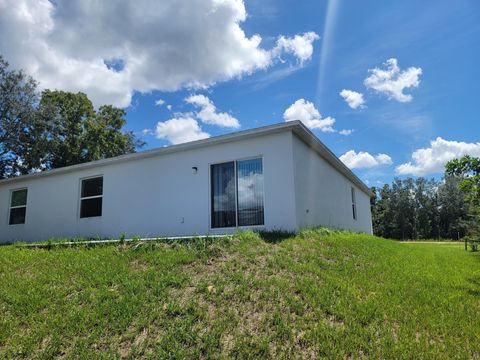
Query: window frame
10	207
353	196
236	194
80	198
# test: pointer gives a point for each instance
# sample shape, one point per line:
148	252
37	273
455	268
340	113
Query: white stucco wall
156	196
323	195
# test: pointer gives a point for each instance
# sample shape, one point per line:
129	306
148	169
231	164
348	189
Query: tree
78	133
103	135
453	209
19	150
66	114
420	209
467	171
55	130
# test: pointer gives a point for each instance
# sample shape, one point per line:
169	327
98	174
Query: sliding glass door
250	192
237	193
223	195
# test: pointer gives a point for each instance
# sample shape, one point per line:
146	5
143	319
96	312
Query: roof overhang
296	127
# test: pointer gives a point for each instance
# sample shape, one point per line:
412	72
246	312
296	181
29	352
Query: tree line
51	129
429	209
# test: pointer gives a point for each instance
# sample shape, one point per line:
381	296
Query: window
91	197
237	193
354	204
18	207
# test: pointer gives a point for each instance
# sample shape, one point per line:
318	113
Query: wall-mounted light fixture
194	169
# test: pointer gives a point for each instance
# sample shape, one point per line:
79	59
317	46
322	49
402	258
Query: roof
296	127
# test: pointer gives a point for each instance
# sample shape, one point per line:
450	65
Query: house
274	177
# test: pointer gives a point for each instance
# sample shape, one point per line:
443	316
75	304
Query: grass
318	294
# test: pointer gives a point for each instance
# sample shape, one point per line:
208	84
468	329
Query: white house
275	177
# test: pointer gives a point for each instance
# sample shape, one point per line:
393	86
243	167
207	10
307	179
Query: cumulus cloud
346	132
301	46
363	159
433	159
208	113
180	129
184	126
391	81
307	113
144	45
354	99
159	102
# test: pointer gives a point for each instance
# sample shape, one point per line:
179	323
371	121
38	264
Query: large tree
67	115
19	150
467	171
77	133
453	209
103	135
54	129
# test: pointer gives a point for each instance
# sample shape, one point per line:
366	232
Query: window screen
91	197
18	207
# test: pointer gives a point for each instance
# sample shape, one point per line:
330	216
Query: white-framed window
237	193
354	204
18	207
91	197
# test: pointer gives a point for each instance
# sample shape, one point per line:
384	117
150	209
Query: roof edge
220	139
295	126
309	138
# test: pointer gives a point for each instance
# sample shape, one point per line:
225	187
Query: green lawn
319	294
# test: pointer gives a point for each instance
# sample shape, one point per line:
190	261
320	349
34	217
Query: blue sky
431	113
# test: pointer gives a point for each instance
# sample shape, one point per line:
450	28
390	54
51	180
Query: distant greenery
52	129
421	209
467	171
320	294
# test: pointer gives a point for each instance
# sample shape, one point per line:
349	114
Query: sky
391	87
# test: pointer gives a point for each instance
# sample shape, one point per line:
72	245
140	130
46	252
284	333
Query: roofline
296	127
309	138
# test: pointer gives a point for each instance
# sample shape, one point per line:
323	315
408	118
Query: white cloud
306	112
346	132
301	46
208	113
363	159
169	107
354	99
392	81
180	129
159	102
433	159
143	45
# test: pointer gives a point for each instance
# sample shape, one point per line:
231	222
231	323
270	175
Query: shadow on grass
275	236
475	291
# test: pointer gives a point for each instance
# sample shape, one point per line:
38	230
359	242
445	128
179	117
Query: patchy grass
319	294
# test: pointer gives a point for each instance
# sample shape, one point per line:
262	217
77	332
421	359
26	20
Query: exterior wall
323	195
157	196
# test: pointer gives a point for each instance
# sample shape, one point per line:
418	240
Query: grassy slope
317	295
